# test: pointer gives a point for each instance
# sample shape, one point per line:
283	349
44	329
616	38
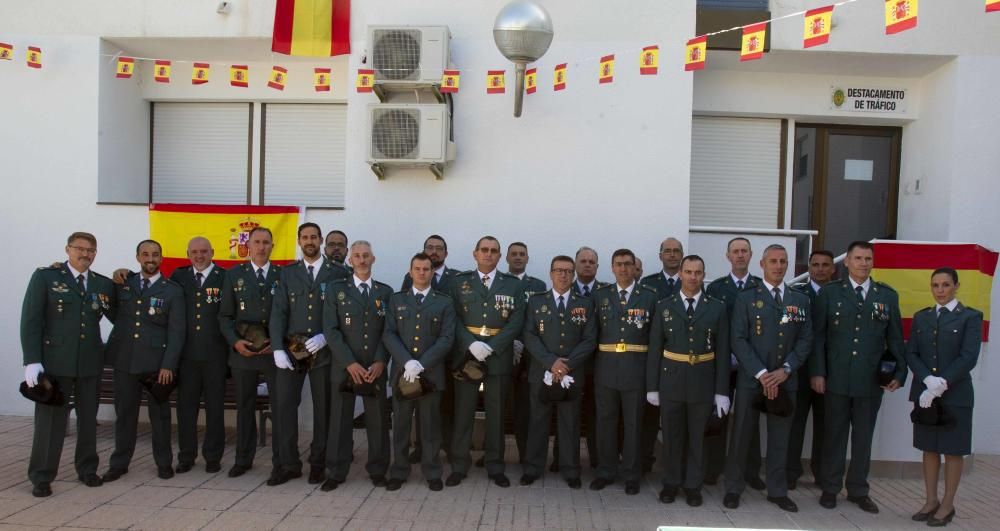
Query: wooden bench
261	404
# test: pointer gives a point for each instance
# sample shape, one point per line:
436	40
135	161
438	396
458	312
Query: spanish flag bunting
817	26
907	267
126	66
606	74
161	71
366	78
495	82
449	81
317	28
227	227
321	79
559	77
6	51
199	74
992	6
697	52
239	76
34	57
900	15
649	61
278	77
752	46
531	80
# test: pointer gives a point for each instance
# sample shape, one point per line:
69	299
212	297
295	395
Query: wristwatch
787	368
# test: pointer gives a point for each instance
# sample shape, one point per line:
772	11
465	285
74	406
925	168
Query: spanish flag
817	26
495	82
752	46
199	73
239	76
34	57
126	65
278	77
992	5
366	78
317	28
227	227
907	267
900	15
161	71
606	73
649	61
697	52
449	81
321	79
531	80
6	51
559	77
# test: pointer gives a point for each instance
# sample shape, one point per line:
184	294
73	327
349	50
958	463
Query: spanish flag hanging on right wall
900	15
316	28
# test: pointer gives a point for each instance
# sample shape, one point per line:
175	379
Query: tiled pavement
198	500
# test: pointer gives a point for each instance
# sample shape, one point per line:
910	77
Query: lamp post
523	33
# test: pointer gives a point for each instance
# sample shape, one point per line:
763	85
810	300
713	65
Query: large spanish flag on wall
316	28
907	267
226	226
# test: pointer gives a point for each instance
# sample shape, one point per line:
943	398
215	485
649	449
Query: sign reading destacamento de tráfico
868	99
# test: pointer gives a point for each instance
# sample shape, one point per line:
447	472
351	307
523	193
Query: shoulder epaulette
925	310
383	284
884	285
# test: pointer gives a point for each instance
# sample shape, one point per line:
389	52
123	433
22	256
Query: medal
759	304
482	331
347	321
95	305
243	306
541	327
152	311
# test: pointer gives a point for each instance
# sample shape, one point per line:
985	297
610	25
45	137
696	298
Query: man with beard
335	249
297	310
517	261
147	339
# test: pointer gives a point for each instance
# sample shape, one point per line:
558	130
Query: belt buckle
483	332
692	358
620	347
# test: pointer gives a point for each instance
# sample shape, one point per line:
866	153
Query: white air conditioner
409	135
407	57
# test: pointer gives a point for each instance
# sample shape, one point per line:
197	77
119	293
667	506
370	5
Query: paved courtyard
198	500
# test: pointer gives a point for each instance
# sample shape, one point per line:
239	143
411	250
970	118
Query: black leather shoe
940	522
378	481
731	500
329	485
528	479
631	488
184	467
793	484
92	480
481	462
213	467
828	500
554	467
454	479
693	497
113	474
923	517
756	483
600	483
574	483
500	480
165	472
668	494
281	477
864	503
316	475
235	472
435	485
393	484
41	490
784	502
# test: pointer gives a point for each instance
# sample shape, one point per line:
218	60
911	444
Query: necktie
145	284
623	297
943	310
690	308
311	269
434	281
199	278
586	290
670	283
777	296
739	285
420	298
486	281
364	291
79	281
260	276
561	306
861	294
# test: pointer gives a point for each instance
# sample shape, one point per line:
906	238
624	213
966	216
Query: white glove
722	405
936	385
926	398
518	351
480	350
547	379
316	342
566	381
281	360
411	370
31	372
653	397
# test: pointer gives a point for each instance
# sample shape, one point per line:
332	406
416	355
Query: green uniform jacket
352	326
625	371
707	331
424	332
597	285
549	335
501	307
947	347
246	300
297	306
531	285
60	327
203	340
767	336
724	289
658	283
149	333
850	338
807	289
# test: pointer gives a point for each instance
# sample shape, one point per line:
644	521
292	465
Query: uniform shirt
684	298
816	287
265	268
204	272
152	279
315	265
952	304
492	276
864	286
358	282
590	286
628	290
520	276
565	297
76	274
419	292
438	273
737	280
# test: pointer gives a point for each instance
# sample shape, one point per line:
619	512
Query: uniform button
855	340
197	305
198	316
857	328
418	317
137	323
137	313
414	349
854	353
560	346
690	352
623	329
690	340
309	330
691	328
934	368
136	336
484	316
83	325
366	336
779	346
417	327
310	295
781	334
366	347
309	317
622	318
310	307
561	334
197	328
416	338
83	336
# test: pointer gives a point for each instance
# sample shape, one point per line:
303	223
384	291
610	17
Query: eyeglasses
489	250
84	250
563	271
434	247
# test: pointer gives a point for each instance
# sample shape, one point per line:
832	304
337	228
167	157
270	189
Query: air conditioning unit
409	135
407	57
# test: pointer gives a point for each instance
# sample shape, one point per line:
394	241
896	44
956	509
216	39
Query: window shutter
304	152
